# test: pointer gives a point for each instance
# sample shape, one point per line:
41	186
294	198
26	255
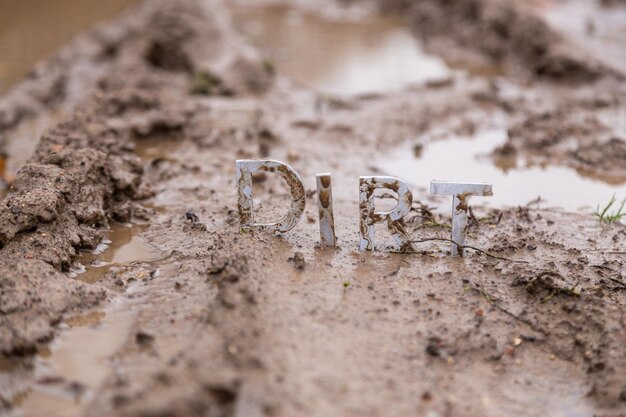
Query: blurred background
361	55
32	29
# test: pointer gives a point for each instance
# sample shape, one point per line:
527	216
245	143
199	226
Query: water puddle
31	30
123	245
514	183
371	55
77	363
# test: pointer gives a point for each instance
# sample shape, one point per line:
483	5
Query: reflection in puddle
123	246
78	363
376	54
466	159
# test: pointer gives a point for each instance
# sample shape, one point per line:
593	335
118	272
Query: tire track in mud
184	335
85	173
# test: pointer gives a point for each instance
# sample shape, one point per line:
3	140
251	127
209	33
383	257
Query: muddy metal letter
325	207
461	193
245	169
368	217
460	208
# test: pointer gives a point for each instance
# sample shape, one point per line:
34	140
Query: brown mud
126	287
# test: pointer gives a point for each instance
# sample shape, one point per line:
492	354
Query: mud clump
298	261
144	339
58	203
504	31
33	298
66	190
183	37
172	37
84	171
545	130
550	136
605	156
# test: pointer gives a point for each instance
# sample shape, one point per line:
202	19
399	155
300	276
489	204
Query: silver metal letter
461	193
245	168
368	217
325	207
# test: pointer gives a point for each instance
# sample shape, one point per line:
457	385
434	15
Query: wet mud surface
127	287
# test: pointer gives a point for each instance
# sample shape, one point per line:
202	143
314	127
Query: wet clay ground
126	287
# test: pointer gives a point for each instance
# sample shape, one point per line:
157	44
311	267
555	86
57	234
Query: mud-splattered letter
461	194
325	207
245	169
368	217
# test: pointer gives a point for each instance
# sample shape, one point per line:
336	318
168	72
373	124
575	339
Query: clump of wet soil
502	31
33	298
573	135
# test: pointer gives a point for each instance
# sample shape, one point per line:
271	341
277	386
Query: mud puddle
514	181
371	55
79	360
31	30
123	245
